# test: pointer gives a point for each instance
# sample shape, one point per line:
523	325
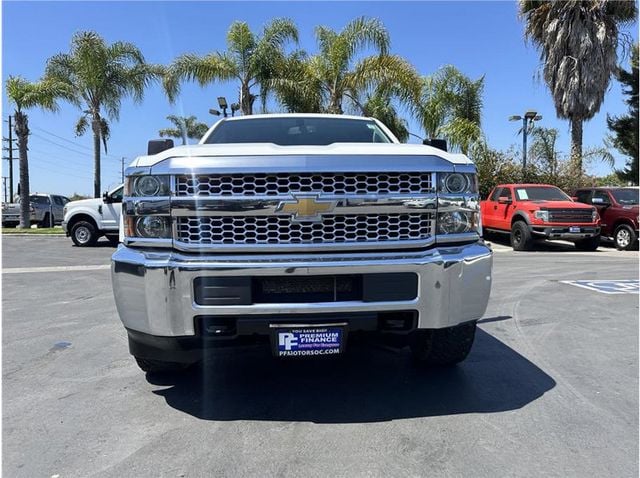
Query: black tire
589	244
114	240
45	222
83	234
158	366
442	347
521	239
625	238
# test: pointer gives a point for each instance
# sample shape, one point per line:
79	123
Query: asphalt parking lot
549	389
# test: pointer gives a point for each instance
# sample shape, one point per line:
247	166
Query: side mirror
574	198
436	143
504	200
156	146
106	198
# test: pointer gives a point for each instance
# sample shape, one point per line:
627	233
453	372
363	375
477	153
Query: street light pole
529	118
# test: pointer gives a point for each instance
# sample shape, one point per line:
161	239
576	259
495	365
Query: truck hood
259	150
558	204
84	203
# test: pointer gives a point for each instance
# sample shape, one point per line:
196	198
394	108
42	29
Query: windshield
541	193
298	131
626	197
39	199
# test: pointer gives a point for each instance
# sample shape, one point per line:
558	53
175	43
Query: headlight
457	222
147	186
542	215
152	226
594	215
457	183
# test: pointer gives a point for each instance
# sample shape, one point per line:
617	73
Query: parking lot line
26	270
607	286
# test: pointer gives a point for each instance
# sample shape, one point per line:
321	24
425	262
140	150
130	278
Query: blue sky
479	38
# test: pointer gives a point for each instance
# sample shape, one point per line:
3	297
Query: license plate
574	229
308	341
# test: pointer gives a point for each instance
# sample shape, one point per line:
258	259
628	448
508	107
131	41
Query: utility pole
122	168
4	187
10	149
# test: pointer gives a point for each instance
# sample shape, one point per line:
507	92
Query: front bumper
563	232
154	290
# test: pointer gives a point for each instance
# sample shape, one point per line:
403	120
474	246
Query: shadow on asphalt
100	243
543	246
370	384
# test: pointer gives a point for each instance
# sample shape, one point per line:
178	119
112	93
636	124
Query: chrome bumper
154	289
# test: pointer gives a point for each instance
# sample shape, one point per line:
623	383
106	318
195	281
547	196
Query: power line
71	142
60	145
88	161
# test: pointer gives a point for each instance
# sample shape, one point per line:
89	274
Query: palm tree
25	95
249	59
184	127
101	75
379	105
332	76
577	41
450	106
543	152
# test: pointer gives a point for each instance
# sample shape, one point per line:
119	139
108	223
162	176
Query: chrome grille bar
282	230
277	184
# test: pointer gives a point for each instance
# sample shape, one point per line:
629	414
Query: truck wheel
113	240
589	244
625	237
442	347
45	222
521	239
83	234
147	365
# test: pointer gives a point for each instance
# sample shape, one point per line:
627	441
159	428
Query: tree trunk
22	132
576	145
335	105
246	100
95	126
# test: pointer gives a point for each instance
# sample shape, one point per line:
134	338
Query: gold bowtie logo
306	208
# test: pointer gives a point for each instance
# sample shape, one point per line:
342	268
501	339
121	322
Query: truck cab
539	211
618	210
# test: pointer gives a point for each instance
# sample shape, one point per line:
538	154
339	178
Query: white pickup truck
299	230
89	219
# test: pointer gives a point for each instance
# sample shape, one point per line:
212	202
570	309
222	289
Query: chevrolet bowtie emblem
306	208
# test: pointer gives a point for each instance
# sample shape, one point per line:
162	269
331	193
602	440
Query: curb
32	235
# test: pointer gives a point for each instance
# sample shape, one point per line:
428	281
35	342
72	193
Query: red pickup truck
619	214
539	211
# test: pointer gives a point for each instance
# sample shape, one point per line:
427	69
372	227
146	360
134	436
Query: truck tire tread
633	238
521	239
588	244
89	228
147	365
443	347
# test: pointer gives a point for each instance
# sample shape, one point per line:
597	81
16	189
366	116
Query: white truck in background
87	220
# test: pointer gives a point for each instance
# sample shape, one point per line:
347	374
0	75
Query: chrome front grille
285	183
571	215
282	230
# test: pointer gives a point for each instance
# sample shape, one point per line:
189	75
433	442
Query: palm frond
105	132
81	126
365	32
